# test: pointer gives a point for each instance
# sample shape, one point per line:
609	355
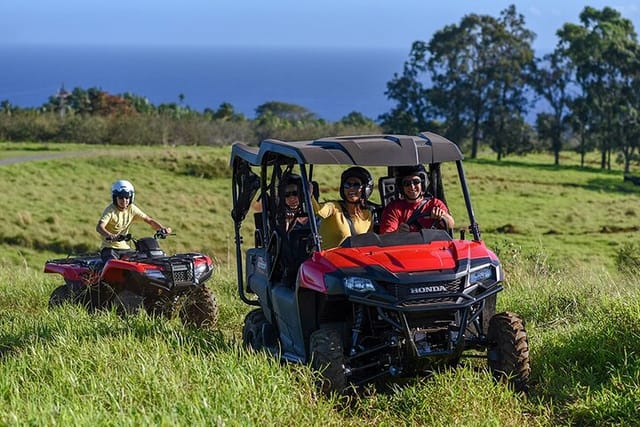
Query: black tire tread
200	309
128	303
59	296
327	357
252	330
509	350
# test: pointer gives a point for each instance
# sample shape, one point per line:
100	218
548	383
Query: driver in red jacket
416	209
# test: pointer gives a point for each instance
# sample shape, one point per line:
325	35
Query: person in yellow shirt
118	217
349	216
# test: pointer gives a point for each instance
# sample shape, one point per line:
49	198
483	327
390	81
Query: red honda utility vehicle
380	305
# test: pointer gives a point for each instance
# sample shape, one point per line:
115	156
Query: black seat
150	247
387	189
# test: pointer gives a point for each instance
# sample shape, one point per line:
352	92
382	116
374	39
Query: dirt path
45	156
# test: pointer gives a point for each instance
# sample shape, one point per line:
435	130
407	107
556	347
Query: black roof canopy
367	150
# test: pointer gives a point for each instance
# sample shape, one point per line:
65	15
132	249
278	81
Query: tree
459	67
225	112
604	51
5	107
412	113
551	80
478	73
284	111
511	63
579	121
140	103
356	118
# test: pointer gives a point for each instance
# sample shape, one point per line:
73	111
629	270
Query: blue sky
311	23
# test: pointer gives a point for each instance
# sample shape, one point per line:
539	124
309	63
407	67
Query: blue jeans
110	253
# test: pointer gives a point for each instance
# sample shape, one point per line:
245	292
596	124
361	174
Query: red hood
442	255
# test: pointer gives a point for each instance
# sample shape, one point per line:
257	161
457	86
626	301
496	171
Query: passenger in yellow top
349	216
118	217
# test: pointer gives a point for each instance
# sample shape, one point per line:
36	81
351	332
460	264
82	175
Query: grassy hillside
558	232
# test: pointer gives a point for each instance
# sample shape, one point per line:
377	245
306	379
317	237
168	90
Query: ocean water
330	83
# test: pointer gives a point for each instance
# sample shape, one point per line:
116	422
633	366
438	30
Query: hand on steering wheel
438	216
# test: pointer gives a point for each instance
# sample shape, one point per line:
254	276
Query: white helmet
122	188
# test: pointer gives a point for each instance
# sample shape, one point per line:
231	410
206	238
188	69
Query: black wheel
60	295
327	357
200	308
508	351
253	330
96	297
258	334
128	303
90	297
488	311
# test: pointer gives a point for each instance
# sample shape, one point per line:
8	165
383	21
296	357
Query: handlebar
159	234
119	238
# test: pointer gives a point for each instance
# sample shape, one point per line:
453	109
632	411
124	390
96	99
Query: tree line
95	116
474	82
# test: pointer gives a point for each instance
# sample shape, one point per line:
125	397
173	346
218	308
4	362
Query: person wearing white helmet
118	217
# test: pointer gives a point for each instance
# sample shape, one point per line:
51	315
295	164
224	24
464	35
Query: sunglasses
290	193
348	185
410	182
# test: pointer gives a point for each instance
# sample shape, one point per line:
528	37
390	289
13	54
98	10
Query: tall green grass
64	366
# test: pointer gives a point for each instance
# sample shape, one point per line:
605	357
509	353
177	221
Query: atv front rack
175	270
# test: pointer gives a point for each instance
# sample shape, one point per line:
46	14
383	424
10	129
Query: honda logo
427	289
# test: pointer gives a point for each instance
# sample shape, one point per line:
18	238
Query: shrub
628	258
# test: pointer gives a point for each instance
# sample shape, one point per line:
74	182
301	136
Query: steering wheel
437	223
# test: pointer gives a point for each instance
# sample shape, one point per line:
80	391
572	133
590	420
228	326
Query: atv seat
149	247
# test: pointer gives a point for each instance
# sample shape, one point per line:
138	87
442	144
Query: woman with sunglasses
415	209
118	217
292	215
349	216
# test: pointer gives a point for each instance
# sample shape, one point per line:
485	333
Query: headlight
154	274
481	275
358	284
201	269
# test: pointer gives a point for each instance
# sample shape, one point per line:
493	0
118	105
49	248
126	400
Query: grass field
558	231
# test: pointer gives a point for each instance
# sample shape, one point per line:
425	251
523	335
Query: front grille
179	272
425	292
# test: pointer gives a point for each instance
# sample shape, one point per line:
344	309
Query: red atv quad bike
380	305
145	278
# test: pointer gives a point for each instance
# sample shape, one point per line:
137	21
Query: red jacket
400	211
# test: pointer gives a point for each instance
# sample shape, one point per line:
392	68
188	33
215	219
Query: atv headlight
201	269
481	275
358	284
154	274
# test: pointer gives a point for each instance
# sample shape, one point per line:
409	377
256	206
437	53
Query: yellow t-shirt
334	228
118	221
